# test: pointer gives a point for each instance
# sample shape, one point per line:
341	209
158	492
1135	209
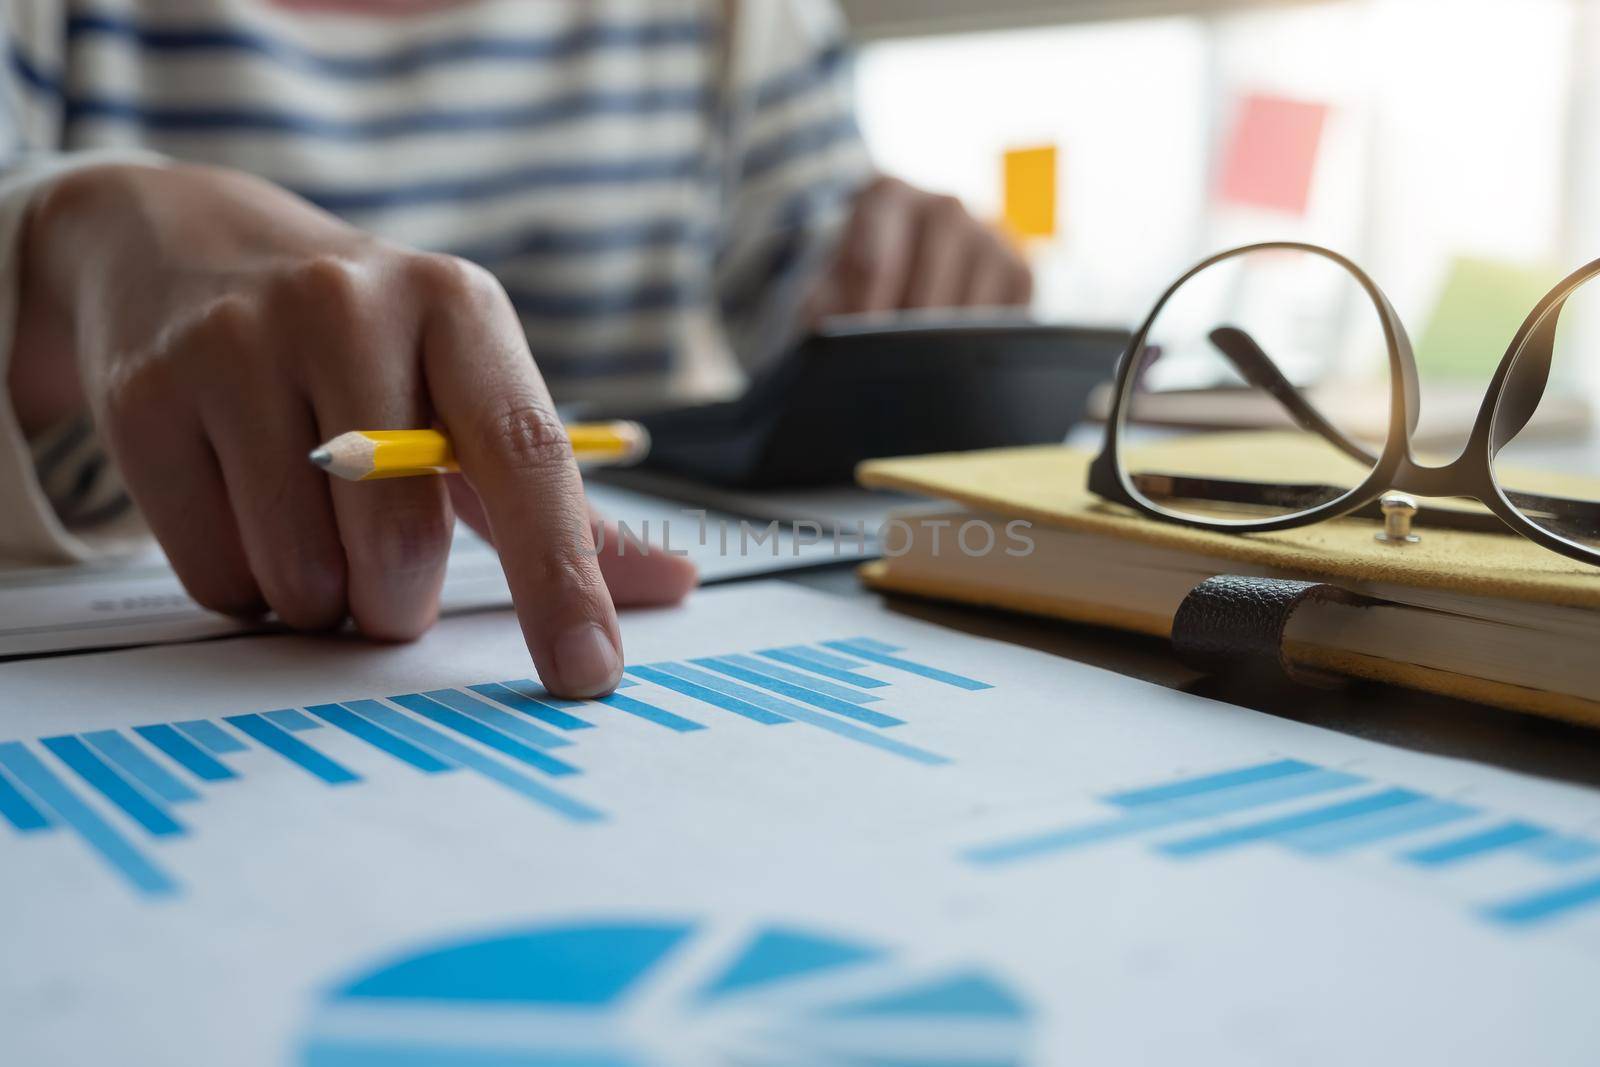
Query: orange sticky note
1272	156
1030	191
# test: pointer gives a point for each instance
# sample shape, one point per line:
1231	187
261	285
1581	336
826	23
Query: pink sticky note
1272	154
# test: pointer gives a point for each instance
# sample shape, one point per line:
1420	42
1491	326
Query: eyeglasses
1240	328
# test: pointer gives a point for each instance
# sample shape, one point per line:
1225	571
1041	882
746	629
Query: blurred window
1452	149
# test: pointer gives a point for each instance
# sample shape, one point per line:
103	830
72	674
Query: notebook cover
1046	485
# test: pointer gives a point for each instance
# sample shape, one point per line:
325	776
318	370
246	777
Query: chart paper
805	831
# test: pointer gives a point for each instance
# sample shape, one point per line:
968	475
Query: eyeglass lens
1279	338
1539	414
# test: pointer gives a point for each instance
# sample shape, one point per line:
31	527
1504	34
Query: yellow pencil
365	455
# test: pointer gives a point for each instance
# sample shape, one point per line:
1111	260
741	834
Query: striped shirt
645	177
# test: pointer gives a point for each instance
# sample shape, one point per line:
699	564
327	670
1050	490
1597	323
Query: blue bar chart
122	791
1315	811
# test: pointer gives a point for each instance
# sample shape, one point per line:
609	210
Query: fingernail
587	661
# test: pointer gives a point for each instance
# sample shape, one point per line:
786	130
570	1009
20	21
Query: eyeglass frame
1471	474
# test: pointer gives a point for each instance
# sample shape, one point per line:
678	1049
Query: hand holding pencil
222	354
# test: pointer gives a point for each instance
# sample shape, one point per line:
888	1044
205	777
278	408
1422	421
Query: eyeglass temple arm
1519	400
1258	370
1575	516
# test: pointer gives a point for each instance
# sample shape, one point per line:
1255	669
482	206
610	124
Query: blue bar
19	811
1193	787
826	659
211	737
909	666
470	758
795	712
1460	849
379	738
111	785
875	645
1547	904
802	659
674	675
1561	851
130	758
96	833
807	681
291	720
534	691
534	708
650	713
1284	825
1152	816
715	695
493	717
185	753
1409	819
293	749
848	709
467	726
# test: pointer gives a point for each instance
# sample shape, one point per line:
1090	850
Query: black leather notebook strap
1234	625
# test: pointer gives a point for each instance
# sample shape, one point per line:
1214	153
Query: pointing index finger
514	450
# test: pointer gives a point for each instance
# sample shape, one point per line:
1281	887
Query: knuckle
131	384
304	583
526	434
859	259
190	357
309	595
562	568
329	282
208	347
450	278
408	540
997	255
137	391
1009	255
1022	283
224	327
948	210
885	187
72	195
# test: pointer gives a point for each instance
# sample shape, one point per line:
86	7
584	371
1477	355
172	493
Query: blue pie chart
667	994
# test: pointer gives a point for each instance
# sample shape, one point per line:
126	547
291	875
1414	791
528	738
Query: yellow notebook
1485	616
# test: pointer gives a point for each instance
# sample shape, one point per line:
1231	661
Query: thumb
640	576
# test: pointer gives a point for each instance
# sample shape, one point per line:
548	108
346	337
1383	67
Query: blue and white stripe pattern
629	168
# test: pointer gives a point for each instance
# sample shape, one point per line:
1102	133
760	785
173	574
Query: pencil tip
322	457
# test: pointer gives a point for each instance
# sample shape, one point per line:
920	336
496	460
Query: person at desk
232	229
